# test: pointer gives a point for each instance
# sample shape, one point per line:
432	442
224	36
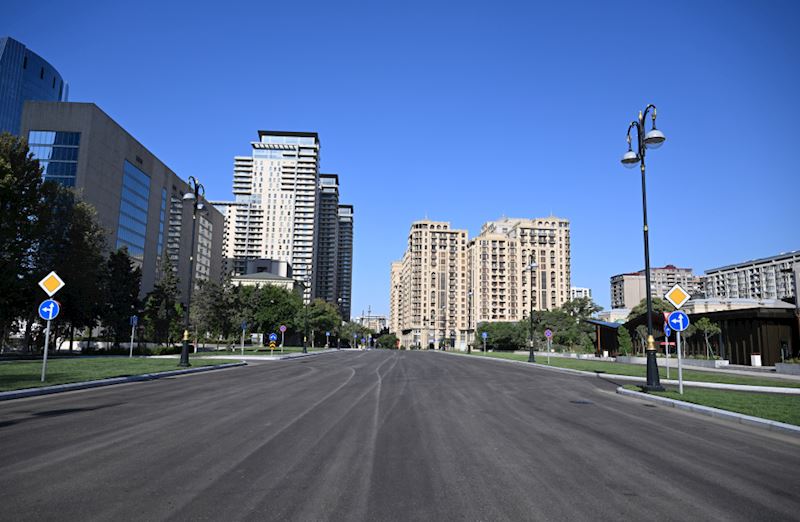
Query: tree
388	340
122	294
273	306
20	204
580	308
708	329
350	330
162	311
207	313
659	306
503	336
322	317
624	340
641	336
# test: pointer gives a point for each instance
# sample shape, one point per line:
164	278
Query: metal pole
242	342
548	351
281	342
653	380
680	365
133	331
46	346
531	356
484	345
184	362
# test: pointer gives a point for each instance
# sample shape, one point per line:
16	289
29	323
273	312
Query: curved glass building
24	75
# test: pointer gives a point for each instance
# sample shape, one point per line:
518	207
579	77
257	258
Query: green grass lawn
15	375
639	370
249	350
782	408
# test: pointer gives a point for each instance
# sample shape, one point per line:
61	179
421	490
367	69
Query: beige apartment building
445	285
628	290
429	288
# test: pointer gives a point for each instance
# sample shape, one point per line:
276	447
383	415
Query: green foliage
162	311
709	329
321	317
502	336
388	341
659	306
348	329
624	340
122	294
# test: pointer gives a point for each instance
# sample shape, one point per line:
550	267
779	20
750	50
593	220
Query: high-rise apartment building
431	281
24	75
445	285
628	290
344	263
327	247
285	210
138	199
504	287
767	278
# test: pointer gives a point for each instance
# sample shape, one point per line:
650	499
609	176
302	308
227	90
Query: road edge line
741	418
73	386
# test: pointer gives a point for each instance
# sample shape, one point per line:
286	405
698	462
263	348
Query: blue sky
467	111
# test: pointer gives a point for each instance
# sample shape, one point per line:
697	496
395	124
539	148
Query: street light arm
638	134
647	110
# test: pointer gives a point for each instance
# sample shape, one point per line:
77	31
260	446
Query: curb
612	376
741	418
58	388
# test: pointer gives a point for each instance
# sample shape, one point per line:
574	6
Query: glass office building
57	153
24	75
132	229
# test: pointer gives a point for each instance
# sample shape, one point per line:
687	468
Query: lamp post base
531	356
653	379
184	362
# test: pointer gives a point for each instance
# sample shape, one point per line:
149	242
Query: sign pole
46	346
548	351
133	332
666	355
282	333
680	366
242	342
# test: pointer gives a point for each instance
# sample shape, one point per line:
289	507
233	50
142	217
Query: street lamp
338	330
531	267
469	322
650	140
197	190
307	281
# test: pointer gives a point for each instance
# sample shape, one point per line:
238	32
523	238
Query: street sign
272	345
244	325
49	309
667	331
282	328
679	320
548	333
484	335
327	334
134	320
51	284
677	296
272	338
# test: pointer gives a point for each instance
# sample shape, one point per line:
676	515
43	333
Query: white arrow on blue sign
679	320
134	320
49	309
667	331
273	337
484	335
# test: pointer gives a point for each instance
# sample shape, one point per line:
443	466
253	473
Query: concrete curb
268	358
58	388
613	376
741	418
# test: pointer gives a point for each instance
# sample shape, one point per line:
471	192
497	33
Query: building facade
327	245
516	265
24	75
580	293
767	278
432	281
138	199
344	263
628	290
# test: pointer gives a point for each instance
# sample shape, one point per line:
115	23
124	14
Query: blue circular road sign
484	335
667	330
548	333
273	337
678	320
49	309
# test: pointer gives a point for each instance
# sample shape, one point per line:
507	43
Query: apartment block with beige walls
486	279
429	286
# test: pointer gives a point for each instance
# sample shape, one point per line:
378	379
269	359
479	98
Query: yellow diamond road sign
677	296
51	283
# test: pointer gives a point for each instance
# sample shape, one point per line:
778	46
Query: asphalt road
383	436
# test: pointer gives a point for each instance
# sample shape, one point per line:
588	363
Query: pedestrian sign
273	337
282	328
484	335
49	309
679	320
677	296
51	284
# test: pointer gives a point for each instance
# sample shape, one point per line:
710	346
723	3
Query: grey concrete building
628	290
139	200
24	75
344	264
766	278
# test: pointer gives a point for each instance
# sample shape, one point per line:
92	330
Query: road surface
382	435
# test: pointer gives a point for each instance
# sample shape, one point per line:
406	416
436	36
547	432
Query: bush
138	350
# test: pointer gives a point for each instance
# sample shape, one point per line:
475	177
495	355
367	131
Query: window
57	153
132	225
